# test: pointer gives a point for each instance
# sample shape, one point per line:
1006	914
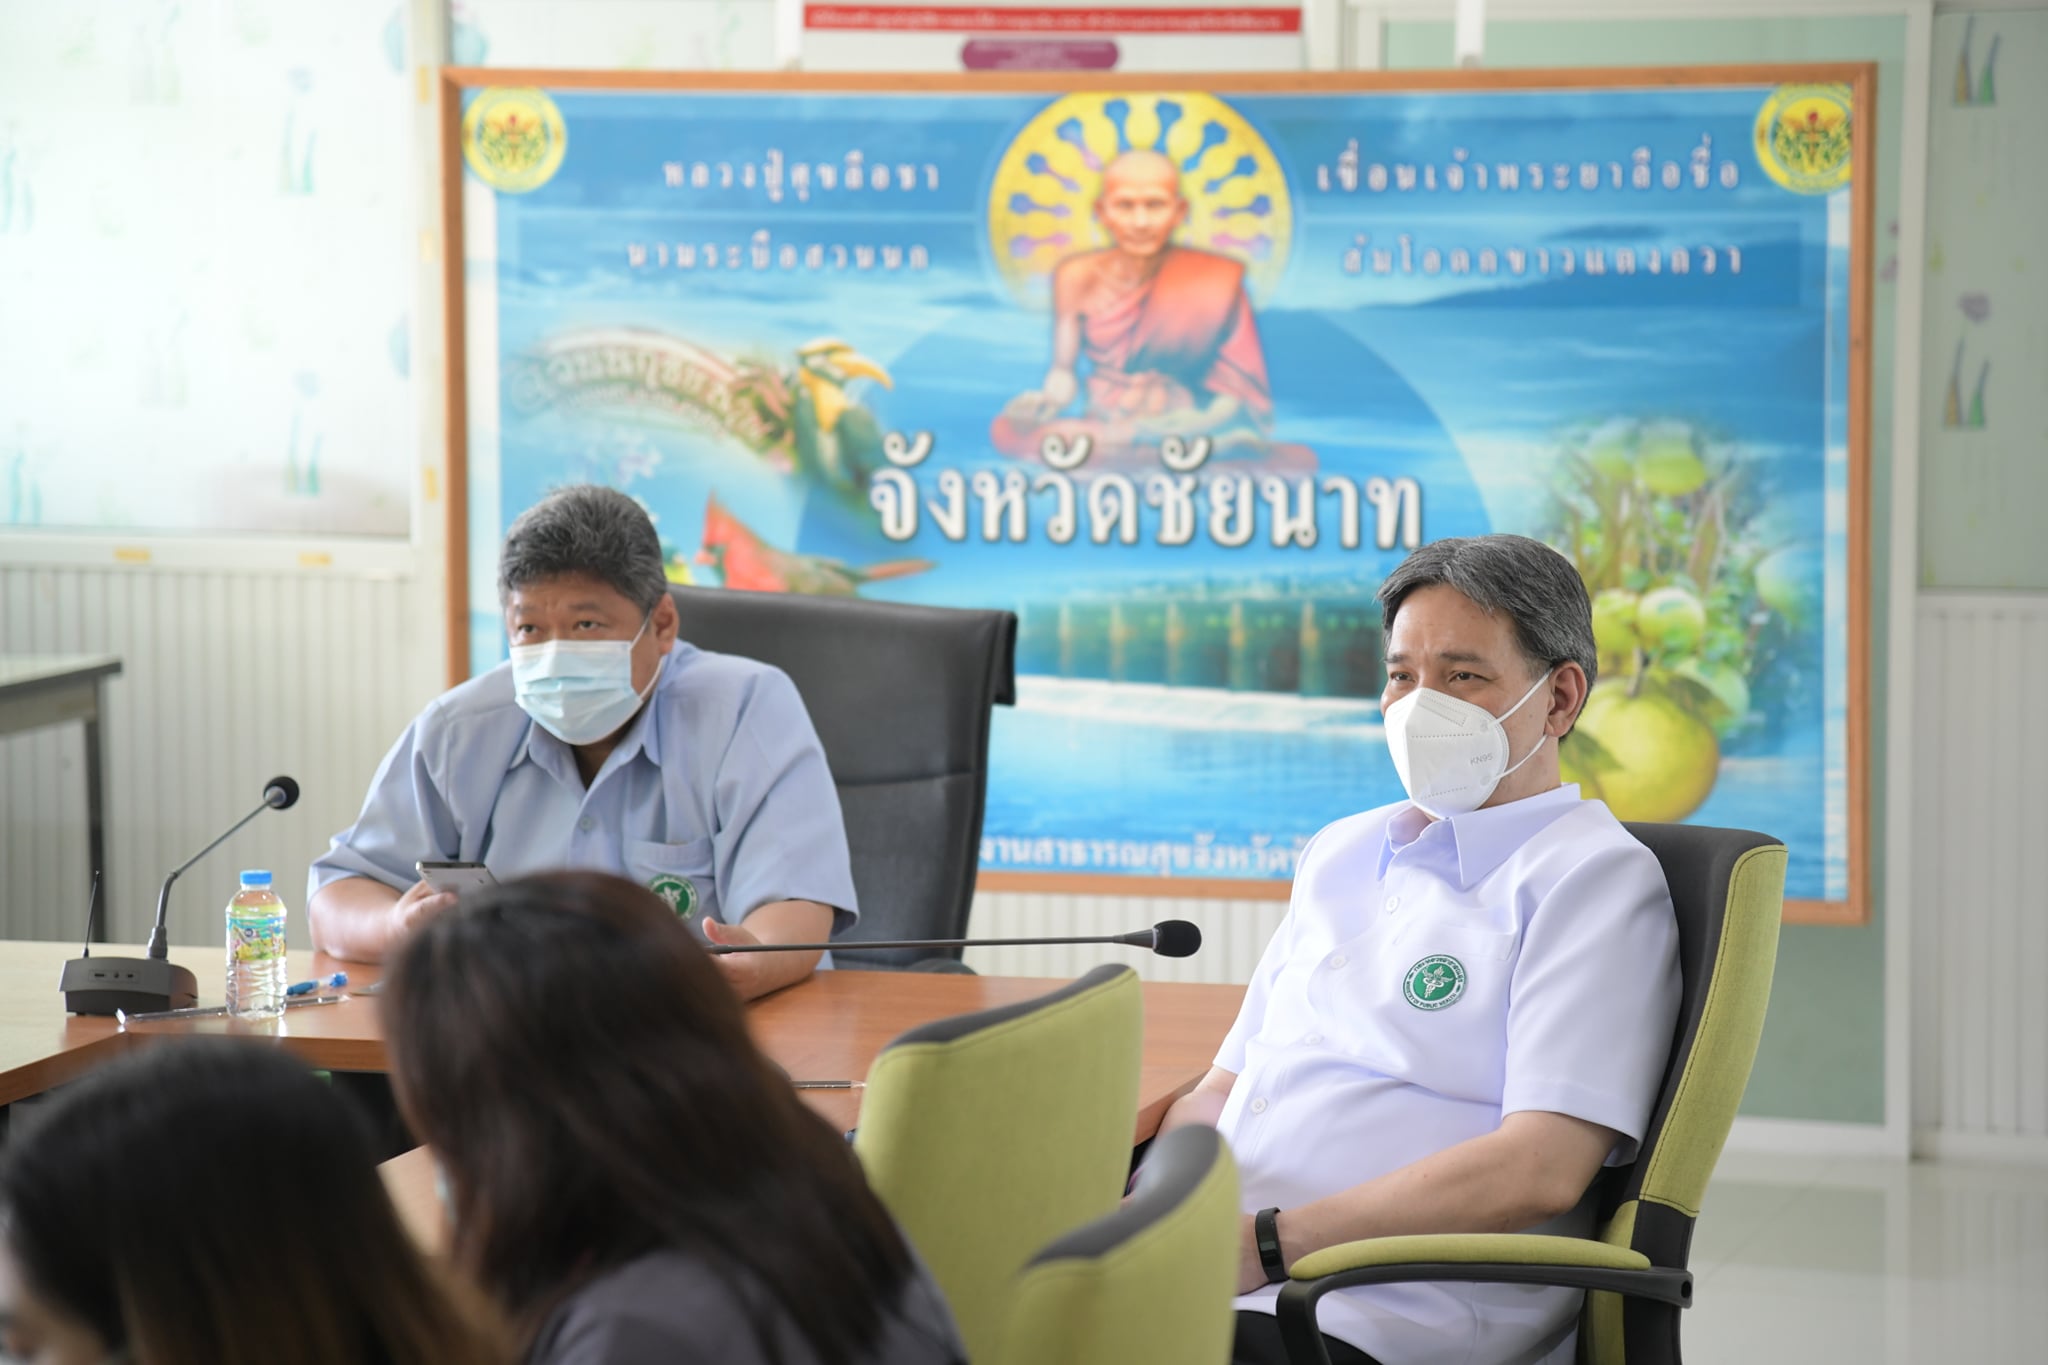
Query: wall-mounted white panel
228	679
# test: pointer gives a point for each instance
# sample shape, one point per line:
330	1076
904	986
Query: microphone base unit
102	985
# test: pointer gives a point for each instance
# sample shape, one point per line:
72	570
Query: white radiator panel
228	678
1980	815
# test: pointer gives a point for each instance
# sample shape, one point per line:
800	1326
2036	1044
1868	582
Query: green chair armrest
1508	1248
1489	1258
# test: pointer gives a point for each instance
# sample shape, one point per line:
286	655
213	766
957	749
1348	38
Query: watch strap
1266	1230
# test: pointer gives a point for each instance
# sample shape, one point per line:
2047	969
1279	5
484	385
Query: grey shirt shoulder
669	1308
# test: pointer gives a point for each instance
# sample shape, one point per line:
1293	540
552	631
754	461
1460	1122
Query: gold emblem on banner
1041	207
514	138
1803	135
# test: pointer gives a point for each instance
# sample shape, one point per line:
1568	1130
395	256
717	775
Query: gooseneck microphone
103	985
1168	938
280	793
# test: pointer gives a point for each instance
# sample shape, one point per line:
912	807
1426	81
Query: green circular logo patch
679	892
1435	982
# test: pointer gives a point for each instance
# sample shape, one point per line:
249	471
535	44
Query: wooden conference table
827	1028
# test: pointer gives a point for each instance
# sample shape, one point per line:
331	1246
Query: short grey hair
585	529
1534	586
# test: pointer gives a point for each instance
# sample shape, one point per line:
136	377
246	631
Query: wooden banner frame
1860	77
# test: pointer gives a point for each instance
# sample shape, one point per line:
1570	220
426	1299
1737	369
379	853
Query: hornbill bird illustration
837	441
746	561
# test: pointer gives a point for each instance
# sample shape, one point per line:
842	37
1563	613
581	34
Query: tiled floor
1810	1260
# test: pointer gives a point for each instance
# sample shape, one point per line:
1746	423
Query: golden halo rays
1041	206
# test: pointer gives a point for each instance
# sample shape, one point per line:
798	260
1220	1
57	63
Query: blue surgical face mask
580	690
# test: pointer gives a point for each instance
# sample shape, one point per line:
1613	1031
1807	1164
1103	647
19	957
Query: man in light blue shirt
604	743
1469	1006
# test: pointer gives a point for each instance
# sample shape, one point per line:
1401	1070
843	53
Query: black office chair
900	696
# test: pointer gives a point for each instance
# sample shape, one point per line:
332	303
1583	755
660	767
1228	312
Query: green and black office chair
1152	1281
900	697
990	1134
1727	886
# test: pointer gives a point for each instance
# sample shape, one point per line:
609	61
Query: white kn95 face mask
1450	753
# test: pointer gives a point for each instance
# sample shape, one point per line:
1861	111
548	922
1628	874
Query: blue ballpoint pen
308	987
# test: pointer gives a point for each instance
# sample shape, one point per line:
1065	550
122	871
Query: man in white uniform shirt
1469	1006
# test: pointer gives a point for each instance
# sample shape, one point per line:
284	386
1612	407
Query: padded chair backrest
900	697
990	1134
1727	888
1151	1281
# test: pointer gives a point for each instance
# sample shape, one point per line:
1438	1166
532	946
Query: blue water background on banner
1458	382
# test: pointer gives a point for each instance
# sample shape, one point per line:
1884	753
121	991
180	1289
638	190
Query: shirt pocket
1447	965
1447	999
681	874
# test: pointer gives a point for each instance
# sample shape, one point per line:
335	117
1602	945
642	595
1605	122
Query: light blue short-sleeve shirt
1431	977
717	797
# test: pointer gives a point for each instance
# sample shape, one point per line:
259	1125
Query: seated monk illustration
1171	345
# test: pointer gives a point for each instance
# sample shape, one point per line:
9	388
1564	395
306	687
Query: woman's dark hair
584	1073
210	1199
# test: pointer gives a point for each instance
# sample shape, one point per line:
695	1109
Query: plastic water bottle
256	963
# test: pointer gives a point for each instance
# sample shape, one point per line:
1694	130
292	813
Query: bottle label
256	940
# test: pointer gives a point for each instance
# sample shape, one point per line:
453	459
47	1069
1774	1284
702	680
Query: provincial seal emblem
1804	137
514	139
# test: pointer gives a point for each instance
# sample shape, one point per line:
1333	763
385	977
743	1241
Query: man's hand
744	972
360	919
752	975
419	904
1203	1104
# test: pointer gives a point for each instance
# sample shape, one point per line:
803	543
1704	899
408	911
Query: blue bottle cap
256	877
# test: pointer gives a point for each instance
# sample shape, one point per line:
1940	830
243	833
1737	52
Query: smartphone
455	877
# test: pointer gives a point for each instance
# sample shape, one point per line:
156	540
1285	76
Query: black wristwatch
1266	1228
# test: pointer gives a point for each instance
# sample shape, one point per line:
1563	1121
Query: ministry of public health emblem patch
514	138
679	892
1434	982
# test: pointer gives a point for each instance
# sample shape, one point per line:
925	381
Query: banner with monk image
1179	375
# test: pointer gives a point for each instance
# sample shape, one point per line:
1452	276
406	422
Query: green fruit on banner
1657	760
1609	451
1670	620
1667	463
1789	583
1727	686
1614	621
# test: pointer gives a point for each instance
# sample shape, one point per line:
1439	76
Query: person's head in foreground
620	1162
1490	656
212	1202
587	611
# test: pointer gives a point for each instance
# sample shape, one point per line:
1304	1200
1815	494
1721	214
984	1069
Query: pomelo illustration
1670	620
1614	630
1666	462
1789	583
1726	686
1700	585
1650	758
1610	450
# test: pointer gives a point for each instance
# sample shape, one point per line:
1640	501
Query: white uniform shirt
716	797
1431	977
